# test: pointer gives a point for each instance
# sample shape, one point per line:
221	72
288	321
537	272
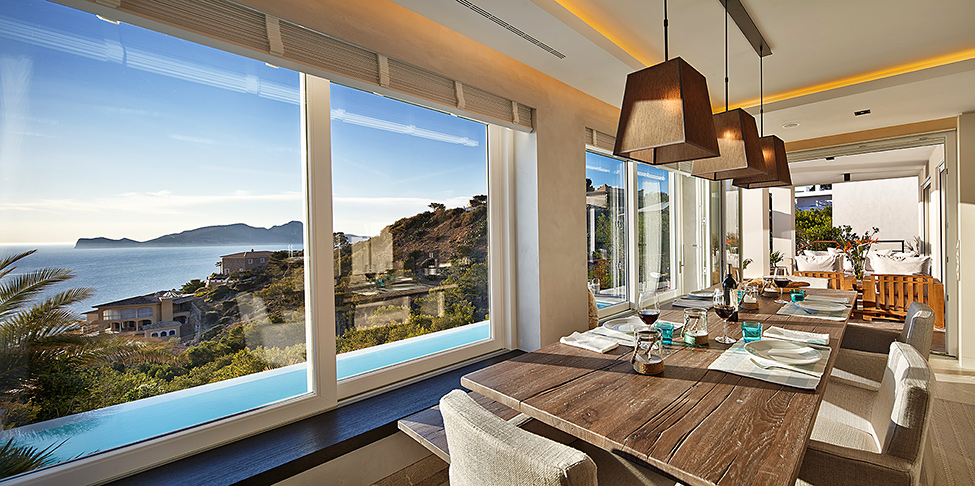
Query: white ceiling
812	42
891	164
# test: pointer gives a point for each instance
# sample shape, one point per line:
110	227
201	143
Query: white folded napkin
611	333
589	342
774	332
823	298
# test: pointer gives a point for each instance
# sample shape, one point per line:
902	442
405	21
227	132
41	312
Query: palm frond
16	459
20	289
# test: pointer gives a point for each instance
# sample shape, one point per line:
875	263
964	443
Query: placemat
790	309
736	360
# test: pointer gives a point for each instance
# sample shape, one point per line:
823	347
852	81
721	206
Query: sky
115	131
602	169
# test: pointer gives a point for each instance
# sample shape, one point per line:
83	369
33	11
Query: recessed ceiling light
861	112
790	125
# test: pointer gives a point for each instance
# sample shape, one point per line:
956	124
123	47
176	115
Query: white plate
820	306
626	324
783	351
701	294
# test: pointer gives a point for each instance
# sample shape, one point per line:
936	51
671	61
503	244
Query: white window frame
325	391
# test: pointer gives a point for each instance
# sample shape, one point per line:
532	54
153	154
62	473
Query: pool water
119	425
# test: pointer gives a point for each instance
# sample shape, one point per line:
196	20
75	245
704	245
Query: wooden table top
702	426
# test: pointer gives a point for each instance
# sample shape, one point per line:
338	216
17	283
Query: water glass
751	330
666	331
798	295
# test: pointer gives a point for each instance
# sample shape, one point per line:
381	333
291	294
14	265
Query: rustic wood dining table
701	426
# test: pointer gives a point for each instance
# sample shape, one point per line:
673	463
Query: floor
952	434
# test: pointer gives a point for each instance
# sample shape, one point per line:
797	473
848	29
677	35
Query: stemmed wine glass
781	279
648	307
724	310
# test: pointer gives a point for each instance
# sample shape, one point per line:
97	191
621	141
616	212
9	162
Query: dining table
702	426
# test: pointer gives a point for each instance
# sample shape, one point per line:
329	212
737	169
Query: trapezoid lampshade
773	150
666	115
741	155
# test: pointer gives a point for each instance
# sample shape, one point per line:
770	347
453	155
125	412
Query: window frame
701	212
325	392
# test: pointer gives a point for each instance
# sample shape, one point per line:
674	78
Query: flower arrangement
855	247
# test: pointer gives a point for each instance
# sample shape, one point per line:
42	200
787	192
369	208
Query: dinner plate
783	351
701	294
626	324
820	306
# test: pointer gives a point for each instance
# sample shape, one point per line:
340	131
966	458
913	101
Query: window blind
229	22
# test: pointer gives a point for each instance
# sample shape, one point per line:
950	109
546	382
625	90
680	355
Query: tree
39	338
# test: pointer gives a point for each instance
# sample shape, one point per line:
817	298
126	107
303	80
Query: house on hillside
245	260
159	314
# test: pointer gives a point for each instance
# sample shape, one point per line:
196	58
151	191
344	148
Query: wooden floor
952	434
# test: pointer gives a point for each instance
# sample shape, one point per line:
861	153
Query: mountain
223	235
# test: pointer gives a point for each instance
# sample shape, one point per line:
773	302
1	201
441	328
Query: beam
747	27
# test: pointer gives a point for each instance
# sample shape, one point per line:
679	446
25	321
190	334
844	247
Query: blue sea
120	273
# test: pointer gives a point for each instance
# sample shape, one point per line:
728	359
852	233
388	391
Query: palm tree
40	333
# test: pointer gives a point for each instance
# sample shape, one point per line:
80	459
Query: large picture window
410	198
132	165
606	228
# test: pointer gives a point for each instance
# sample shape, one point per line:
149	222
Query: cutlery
783	367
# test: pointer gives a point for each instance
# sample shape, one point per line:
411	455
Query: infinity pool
119	425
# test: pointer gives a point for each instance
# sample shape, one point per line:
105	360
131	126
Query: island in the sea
222	235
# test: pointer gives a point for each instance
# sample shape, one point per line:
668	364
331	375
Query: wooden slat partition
893	294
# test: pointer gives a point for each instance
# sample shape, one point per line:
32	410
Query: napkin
589	342
835	300
801	336
612	333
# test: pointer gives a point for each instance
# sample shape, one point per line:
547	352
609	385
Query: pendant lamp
666	113
773	151
737	135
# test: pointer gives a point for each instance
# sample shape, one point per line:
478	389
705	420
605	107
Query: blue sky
112	130
607	170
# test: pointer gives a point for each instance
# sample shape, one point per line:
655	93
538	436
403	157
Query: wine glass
781	279
724	309
648	307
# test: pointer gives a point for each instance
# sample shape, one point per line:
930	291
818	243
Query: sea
120	273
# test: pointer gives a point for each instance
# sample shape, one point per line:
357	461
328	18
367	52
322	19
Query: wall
965	245
549	199
888	204
365	465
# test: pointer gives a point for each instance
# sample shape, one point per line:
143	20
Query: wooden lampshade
666	115
773	150
741	154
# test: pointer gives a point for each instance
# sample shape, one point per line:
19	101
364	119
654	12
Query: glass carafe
695	330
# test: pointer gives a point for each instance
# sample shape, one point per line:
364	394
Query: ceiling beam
747	27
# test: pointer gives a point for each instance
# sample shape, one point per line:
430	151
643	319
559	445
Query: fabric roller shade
241	26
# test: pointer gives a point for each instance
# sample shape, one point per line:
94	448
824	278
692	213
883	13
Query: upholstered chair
488	451
862	355
874	437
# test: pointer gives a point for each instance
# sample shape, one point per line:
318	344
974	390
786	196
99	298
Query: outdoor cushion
900	264
826	263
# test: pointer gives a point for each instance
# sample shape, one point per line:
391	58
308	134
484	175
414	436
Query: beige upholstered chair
860	361
486	450
874	437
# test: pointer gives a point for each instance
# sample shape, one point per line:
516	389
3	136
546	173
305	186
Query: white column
965	246
755	231
784	223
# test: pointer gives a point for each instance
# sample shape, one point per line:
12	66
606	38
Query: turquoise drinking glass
798	295
666	331
751	331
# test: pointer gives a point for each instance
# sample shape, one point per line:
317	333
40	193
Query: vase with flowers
855	247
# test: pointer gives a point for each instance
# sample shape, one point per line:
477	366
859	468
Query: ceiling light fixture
666	113
773	149
741	153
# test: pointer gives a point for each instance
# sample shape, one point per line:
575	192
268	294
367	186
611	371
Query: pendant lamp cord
726	55
666	35
761	89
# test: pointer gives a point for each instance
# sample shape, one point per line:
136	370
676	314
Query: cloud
187	138
159	202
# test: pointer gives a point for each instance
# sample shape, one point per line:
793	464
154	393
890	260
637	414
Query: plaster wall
755	231
549	200
888	204
964	247
784	223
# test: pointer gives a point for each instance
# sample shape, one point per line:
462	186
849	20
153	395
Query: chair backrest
902	411
486	450
919	328
835	278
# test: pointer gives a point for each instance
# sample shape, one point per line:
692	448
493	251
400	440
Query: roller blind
229	22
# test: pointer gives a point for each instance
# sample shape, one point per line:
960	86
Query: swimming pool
111	427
